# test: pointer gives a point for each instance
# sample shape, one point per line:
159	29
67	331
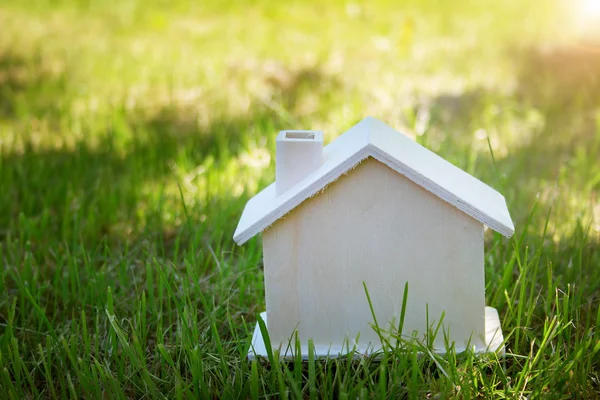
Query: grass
132	134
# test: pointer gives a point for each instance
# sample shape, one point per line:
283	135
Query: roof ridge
405	156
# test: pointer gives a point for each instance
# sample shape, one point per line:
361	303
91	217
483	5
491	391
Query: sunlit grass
132	135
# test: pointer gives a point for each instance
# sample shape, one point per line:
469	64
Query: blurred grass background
133	132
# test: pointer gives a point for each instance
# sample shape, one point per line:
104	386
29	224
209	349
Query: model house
373	208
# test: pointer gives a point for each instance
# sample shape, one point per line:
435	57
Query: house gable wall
374	225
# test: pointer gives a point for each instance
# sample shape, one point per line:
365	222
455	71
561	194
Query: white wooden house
374	207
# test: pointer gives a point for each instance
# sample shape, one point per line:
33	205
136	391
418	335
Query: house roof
373	138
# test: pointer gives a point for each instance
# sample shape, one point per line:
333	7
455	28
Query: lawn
133	132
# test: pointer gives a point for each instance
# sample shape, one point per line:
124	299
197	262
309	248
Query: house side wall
375	226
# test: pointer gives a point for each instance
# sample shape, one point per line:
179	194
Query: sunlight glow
588	21
591	8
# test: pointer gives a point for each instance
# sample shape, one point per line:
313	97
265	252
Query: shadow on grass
32	86
87	190
563	83
560	79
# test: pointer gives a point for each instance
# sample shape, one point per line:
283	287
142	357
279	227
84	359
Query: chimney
299	153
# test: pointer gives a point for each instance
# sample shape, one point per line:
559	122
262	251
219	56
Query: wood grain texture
373	138
377	226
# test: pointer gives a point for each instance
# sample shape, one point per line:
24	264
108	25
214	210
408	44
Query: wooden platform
493	337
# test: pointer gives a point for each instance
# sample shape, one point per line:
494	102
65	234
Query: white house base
493	338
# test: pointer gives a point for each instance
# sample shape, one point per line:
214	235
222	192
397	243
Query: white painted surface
374	225
493	342
372	137
299	153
